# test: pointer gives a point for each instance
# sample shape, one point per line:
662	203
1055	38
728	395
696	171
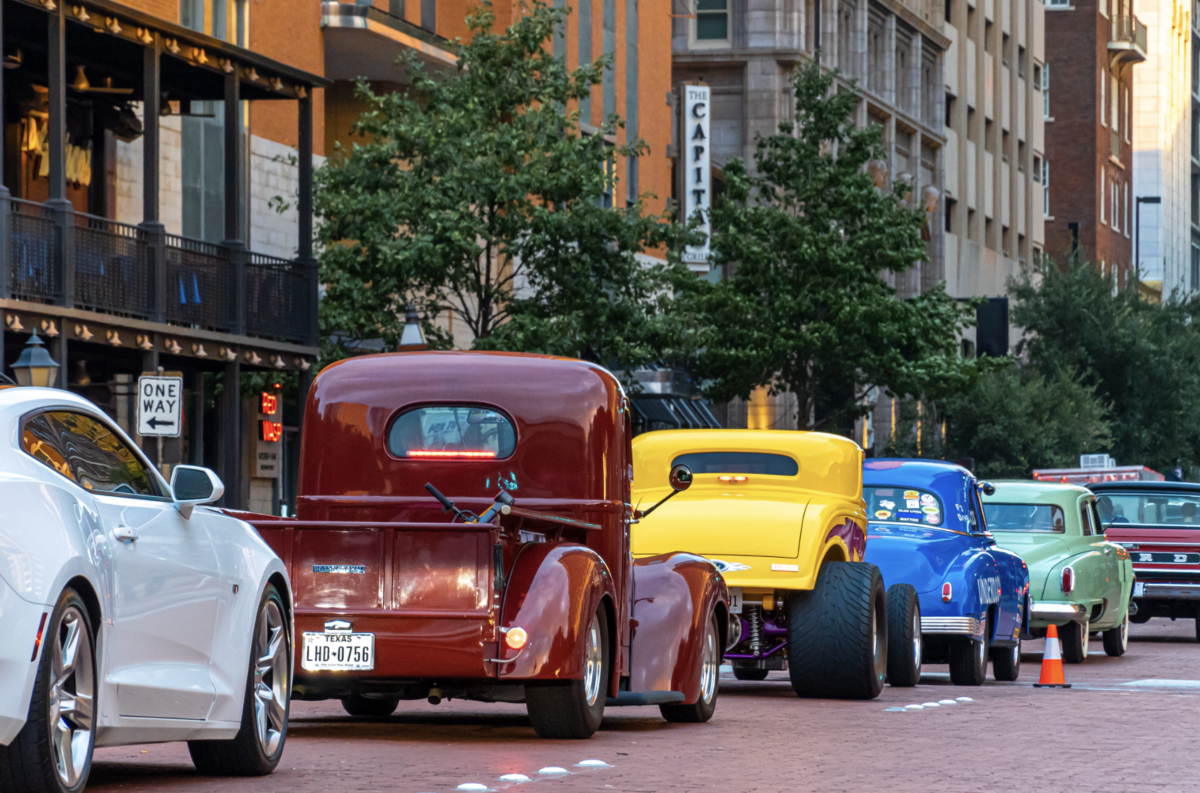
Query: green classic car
1077	580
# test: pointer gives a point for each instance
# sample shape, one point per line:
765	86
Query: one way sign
160	406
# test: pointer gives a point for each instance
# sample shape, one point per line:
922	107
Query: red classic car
530	601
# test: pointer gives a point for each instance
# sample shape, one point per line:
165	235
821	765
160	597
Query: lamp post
412	338
35	367
1137	243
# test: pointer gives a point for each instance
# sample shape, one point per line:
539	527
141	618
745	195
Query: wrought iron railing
199	284
112	268
278	303
34	266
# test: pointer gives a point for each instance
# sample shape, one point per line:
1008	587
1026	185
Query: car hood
713	524
1041	553
913	555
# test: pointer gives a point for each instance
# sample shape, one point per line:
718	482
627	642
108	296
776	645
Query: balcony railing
88	262
1129	39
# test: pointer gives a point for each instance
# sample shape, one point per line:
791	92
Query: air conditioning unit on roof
1096	461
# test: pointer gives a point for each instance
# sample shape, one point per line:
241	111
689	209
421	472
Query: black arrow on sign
155	423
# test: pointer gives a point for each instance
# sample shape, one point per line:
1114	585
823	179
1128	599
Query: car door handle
124	533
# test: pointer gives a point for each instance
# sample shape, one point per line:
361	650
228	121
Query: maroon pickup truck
463	531
1159	524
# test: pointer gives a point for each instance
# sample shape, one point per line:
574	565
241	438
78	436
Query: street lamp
1137	245
411	338
35	367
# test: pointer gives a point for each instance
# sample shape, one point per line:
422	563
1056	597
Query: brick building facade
1089	99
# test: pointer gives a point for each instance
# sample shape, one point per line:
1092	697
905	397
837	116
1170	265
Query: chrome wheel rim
1085	631
595	662
709	666
72	697
1125	632
981	657
271	678
876	645
916	627
1016	653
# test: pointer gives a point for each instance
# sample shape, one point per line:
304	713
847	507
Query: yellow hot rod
781	514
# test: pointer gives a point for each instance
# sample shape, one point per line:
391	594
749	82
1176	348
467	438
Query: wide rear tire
1116	640
837	633
1075	639
904	636
258	745
710	676
575	708
358	705
34	762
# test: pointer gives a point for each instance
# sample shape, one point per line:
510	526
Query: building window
1127	210
1103	203
1046	92
1127	125
712	20
1045	188
1103	102
1195	267
1115	192
949	110
1116	110
1058	3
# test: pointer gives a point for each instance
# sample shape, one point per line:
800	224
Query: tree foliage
810	240
477	192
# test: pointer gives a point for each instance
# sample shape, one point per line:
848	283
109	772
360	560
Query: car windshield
452	432
1149	509
738	463
903	504
1043	518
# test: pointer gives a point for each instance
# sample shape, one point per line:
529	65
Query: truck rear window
1046	518
738	463
1149	509
903	505
456	432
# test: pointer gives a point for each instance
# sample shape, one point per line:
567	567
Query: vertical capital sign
694	157
160	405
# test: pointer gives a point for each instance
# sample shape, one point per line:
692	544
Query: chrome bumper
956	626
1171	591
1057	612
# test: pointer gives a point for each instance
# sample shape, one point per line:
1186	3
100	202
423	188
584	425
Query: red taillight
1068	580
440	453
37	643
947	592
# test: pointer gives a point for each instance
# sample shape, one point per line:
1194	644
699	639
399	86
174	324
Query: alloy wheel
72	696
916	628
272	684
595	662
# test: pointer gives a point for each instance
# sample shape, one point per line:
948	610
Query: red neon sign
270	403
272	431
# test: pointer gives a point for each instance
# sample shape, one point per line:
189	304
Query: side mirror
988	488
192	485
680	479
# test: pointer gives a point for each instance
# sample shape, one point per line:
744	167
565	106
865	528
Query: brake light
947	592
516	638
457	454
1068	580
37	643
732	478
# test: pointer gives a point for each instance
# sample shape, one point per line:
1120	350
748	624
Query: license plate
338	652
1139	589
735	600
1168	557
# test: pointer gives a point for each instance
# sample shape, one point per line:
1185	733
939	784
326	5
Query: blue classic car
953	595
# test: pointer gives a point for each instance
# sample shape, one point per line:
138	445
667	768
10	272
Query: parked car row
476	526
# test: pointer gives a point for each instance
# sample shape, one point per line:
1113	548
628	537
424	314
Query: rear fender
553	590
676	595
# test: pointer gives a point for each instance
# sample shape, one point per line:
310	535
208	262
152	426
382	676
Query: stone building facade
1088	95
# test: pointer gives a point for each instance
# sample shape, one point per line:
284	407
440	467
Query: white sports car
128	613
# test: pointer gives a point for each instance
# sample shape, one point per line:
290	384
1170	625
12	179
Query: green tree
1141	357
810	239
477	192
1017	419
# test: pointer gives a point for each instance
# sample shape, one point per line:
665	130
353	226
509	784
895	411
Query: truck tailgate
425	590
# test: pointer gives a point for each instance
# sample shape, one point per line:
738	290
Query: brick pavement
1100	736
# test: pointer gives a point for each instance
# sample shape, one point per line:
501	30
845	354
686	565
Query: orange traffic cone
1052	665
